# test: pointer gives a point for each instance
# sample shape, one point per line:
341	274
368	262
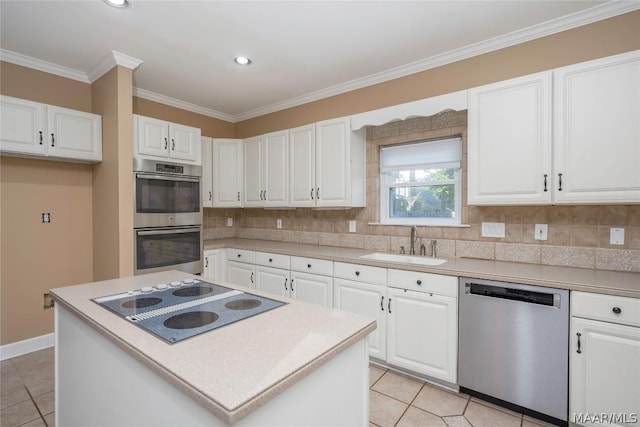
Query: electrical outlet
229	222
493	229
616	236
46	217
278	223
352	226
48	301
541	231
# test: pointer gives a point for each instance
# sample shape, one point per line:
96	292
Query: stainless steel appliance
179	310
513	346
167	217
166	194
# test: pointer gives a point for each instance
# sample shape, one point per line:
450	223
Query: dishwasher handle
514	294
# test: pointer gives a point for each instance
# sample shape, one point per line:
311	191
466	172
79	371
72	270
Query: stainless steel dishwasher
513	346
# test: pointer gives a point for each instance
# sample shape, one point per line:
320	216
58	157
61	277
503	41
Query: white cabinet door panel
241	274
153	136
302	144
184	142
207	172
333	159
253	172
227	172
276	166
273	280
312	288
23	126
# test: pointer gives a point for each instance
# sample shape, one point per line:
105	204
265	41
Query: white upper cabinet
597	131
221	172
509	144
39	130
266	170
158	139
302	156
589	155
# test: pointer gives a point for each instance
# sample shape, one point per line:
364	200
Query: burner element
192	319
243	304
193	291
141	302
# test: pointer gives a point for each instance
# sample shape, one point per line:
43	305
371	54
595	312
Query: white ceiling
301	50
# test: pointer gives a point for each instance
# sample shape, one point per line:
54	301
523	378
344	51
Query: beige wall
209	126
36	257
608	37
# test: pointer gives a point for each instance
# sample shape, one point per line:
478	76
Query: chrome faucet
414	238
423	250
433	248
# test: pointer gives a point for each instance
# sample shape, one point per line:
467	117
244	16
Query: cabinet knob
239	255
357	273
617	310
308	265
419	282
270	259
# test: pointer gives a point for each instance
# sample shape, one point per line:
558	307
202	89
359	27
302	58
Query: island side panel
100	384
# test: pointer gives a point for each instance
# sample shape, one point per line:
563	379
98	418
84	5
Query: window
420	183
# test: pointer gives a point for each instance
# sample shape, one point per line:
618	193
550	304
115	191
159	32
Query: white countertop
234	369
572	278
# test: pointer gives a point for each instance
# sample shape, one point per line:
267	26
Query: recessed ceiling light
242	60
122	4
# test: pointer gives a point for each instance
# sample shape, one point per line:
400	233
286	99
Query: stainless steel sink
406	259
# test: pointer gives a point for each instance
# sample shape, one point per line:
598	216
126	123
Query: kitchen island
298	364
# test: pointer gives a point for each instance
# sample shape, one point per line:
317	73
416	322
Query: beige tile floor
27	384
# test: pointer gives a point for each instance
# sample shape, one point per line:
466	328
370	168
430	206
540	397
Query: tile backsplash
577	235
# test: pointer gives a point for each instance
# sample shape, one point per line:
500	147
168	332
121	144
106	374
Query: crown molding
44	66
578	19
173	102
109	61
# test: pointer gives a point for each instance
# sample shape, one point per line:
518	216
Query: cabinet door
302	145
276	167
273	280
605	374
184	143
74	134
210	270
153	136
333	159
22	126
597	131
422	333
312	288
509	145
207	172
253	191
240	274
227	172
368	300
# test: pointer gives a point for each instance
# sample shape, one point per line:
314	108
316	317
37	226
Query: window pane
429	201
420	175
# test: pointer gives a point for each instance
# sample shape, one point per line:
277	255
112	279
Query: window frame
386	185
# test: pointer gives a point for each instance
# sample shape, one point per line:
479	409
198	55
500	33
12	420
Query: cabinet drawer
241	255
609	308
360	273
424	282
273	260
311	265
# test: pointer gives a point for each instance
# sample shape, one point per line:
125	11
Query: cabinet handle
545	182
312	194
579	335
265	194
382	303
318	193
53	140
419	282
166	143
617	310
251	277
238	196
206	262
389	306
291	285
560	182
285	284
40	137
173	144
210	196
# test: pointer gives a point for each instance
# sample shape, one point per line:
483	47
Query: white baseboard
30	345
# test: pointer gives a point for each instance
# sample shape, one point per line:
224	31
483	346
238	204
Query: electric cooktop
179	310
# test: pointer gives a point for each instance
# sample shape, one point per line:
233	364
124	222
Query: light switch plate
616	236
541	231
352	226
229	222
278	223
493	229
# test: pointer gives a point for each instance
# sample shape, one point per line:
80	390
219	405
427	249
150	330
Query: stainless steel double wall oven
168	217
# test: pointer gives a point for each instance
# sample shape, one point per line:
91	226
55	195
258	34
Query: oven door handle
167	178
158	232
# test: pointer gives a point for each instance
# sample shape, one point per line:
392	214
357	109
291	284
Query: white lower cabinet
604	364
211	267
312	288
240	273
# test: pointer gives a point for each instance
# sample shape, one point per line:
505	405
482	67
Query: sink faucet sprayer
433	248
414	238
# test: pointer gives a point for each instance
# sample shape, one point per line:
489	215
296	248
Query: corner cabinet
32	129
604	365
509	146
221	172
161	140
266	170
566	136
